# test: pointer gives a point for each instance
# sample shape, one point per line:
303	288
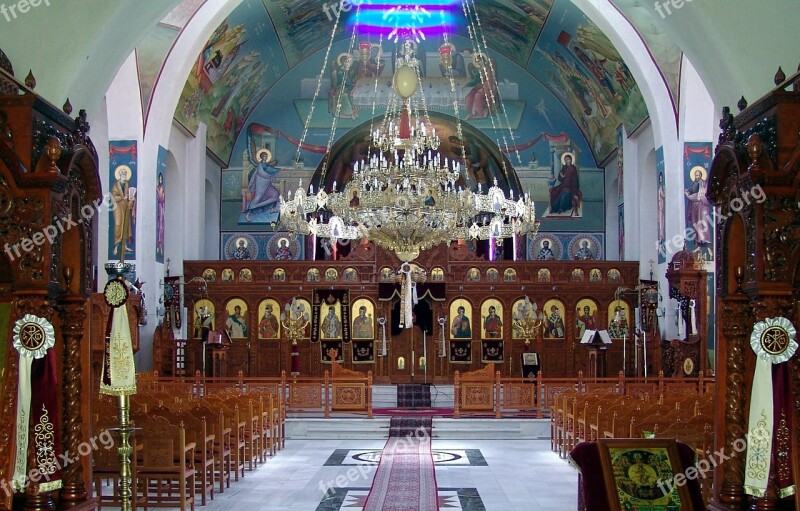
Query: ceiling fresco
556	70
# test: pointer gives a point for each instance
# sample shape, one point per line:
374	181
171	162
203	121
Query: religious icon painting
279	275
543	275
386	274
363	352
437	274
491	351
619	319
585	247
461	319
227	275
350	275
283	247
545	247
554	326
595	275
577	275
331	321
473	275
492	319
241	247
586	317
269	326
210	275
331	350
331	275
633	469
492	275
613	275
123	219
460	352
161	203
203	311
312	275
363	319
236	323
245	275
510	275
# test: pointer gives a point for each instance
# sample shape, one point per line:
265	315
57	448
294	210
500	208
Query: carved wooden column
735	318
73	314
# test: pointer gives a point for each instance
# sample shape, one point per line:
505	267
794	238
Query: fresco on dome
662	45
581	67
513	26
304	26
150	54
238	62
357	78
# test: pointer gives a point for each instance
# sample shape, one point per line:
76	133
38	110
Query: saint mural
565	190
331	325
236	322
260	197
363	326
268	325
460	326
124	197
586	312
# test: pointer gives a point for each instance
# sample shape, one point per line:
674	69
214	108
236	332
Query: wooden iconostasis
470	312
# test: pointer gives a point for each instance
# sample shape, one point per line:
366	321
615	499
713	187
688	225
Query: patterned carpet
405	479
410	426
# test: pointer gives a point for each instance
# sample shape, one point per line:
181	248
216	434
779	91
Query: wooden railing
486	391
344	391
483	392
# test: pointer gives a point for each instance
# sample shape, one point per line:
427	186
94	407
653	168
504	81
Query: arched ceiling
557	71
75	48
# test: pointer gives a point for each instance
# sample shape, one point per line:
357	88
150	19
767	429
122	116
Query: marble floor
472	475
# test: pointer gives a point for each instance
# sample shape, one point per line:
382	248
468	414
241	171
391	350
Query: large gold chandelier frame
404	197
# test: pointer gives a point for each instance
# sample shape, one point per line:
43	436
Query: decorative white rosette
33	337
773	341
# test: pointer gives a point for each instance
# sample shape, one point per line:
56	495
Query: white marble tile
522	475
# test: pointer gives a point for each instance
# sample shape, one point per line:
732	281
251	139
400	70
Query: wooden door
406	352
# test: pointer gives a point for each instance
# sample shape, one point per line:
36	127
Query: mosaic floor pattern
352	499
450	457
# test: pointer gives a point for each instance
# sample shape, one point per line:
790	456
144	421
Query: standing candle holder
294	321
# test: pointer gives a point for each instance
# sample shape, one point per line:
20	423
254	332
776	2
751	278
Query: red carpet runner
405	479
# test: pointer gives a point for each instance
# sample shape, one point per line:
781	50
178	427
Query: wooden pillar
73	315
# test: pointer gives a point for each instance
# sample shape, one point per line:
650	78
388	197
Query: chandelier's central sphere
405	81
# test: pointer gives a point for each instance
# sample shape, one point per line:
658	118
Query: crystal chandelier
404	196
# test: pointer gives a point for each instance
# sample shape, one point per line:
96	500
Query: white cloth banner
122	370
23	419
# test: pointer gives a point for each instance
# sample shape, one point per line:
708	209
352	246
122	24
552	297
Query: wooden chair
223	464
165	470
234	422
198	433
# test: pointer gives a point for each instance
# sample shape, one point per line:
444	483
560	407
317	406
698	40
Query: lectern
596	341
